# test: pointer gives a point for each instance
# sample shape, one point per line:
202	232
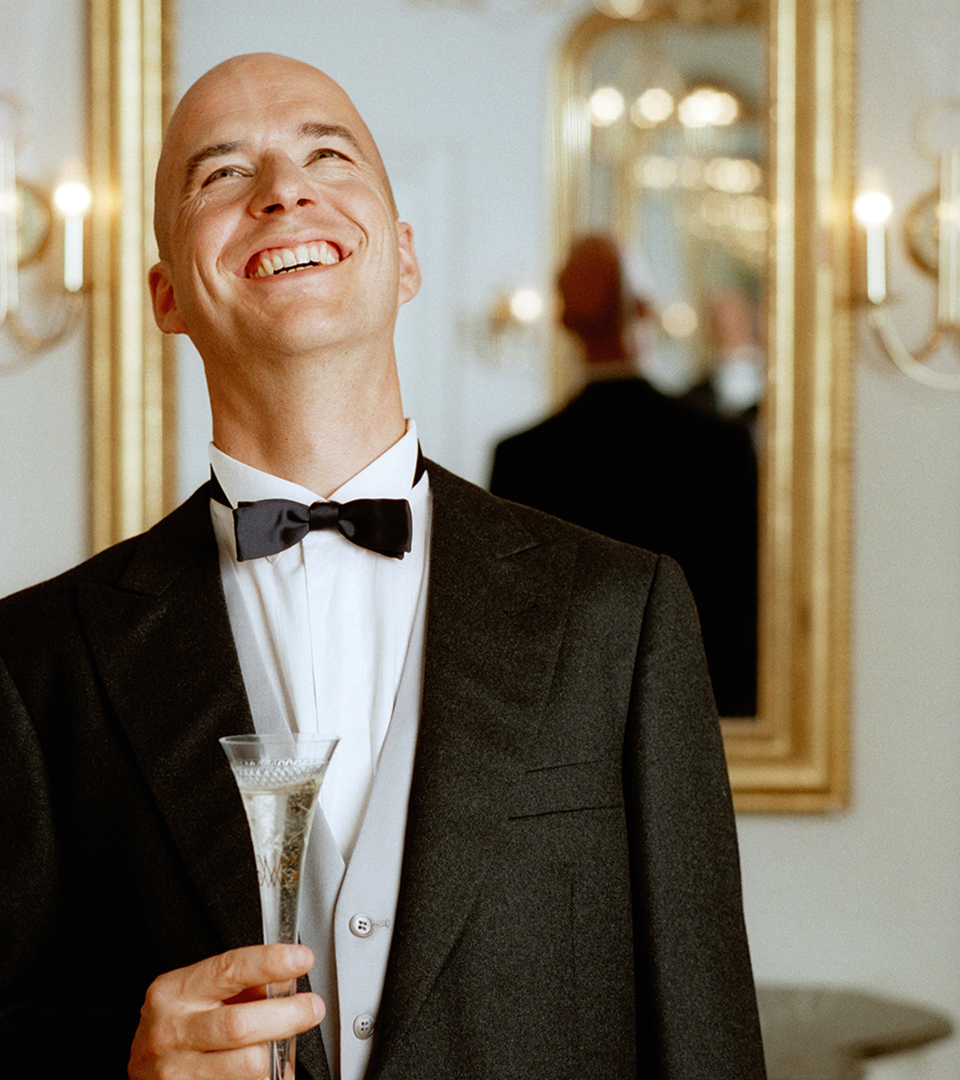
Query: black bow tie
270	526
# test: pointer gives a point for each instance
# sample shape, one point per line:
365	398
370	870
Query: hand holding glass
279	777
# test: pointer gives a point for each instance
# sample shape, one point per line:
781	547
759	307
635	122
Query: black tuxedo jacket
569	904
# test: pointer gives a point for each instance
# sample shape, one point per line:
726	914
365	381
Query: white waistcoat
347	914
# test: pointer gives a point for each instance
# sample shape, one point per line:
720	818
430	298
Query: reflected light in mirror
652	107
606	106
526	305
708	107
748	214
655	171
737	176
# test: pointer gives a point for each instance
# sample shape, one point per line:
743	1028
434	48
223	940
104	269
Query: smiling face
275	221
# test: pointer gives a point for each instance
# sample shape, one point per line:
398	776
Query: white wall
869	897
43	404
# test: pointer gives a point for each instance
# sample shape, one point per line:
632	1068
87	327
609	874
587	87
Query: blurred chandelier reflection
666	110
41	252
688	143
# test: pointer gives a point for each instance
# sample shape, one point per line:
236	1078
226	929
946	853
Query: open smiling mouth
289	260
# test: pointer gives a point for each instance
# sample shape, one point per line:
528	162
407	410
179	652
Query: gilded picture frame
793	755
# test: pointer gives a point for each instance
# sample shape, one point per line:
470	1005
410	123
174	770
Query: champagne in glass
279	777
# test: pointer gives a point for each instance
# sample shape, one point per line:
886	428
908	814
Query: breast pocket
567	788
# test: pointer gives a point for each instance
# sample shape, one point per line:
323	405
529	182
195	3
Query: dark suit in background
569	903
629	462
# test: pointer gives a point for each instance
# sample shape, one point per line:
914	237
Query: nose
281	185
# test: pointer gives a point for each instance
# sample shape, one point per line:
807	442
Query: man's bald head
234	88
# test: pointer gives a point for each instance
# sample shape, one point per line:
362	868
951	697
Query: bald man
525	861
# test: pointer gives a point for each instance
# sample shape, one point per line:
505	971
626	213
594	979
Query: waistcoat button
363	1026
361	925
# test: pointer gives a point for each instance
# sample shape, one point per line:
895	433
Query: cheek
200	232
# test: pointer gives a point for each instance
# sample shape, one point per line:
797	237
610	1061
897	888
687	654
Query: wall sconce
32	232
932	233
507	335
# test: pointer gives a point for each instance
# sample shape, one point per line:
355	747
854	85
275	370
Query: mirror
795	122
712	141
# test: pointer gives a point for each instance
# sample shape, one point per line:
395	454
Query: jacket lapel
495	611
162	640
167	658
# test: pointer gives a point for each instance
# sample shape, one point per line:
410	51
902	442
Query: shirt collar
389	476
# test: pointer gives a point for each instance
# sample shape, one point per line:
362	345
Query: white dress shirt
323	628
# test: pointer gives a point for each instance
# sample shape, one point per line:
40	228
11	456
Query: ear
409	267
164	303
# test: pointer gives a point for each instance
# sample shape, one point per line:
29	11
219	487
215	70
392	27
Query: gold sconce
34	230
932	235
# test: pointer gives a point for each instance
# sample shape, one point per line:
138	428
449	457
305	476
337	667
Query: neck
307	426
608	349
610	369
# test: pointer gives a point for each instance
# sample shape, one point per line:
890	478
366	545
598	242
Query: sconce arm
882	325
33	342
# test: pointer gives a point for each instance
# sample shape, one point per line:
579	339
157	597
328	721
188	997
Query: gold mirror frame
133	442
793	756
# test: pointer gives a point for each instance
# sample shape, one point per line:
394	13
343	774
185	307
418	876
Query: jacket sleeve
47	1016
696	1007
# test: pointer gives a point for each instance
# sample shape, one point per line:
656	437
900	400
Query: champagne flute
279	777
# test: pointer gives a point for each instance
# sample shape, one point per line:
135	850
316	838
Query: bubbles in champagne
279	798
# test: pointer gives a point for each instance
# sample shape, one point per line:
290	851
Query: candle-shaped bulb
872	209
72	198
948	242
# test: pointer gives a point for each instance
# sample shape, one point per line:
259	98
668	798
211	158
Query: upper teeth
286	259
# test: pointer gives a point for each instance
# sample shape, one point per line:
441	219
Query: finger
227	974
177	1043
252	1022
246	1063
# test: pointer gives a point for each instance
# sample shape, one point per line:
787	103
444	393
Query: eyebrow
310	129
196	160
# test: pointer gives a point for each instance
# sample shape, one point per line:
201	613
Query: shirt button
361	926
363	1026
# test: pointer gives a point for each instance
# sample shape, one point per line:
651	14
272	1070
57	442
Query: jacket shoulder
132	563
